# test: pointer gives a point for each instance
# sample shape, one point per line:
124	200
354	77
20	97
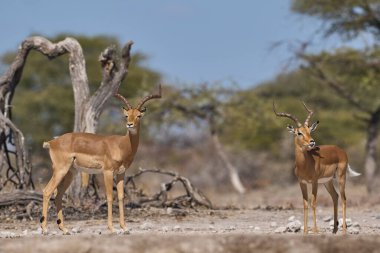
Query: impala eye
299	134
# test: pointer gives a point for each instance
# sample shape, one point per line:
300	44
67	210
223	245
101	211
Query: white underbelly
87	170
322	180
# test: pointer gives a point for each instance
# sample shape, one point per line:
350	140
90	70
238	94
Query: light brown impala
318	164
94	154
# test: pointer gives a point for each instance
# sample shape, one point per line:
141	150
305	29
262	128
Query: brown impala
318	164
94	154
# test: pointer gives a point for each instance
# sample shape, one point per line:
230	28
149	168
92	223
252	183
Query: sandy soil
243	227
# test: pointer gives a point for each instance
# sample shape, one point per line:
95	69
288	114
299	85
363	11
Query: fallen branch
193	197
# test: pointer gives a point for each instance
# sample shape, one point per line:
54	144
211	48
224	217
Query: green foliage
251	123
43	104
345	17
355	71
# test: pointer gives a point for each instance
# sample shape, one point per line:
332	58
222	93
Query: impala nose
312	143
129	125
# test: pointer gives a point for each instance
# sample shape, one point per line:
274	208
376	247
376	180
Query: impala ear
124	109
314	126
143	110
291	129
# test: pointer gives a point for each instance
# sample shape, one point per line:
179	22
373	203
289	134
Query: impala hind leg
108	182
305	206
334	195
342	191
120	197
47	192
62	187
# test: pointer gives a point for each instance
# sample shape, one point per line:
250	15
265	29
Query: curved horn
309	115
287	115
122	98
147	98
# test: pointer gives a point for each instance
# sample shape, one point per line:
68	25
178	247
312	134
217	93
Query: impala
318	164
93	153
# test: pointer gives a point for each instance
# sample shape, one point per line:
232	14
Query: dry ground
243	224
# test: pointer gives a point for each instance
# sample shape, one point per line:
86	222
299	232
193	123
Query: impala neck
300	154
134	138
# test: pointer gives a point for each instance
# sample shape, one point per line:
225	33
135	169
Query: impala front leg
314	190
108	182
120	196
305	206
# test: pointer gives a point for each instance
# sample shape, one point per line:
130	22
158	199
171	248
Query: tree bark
370	164
232	171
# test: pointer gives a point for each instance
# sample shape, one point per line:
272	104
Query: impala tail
351	172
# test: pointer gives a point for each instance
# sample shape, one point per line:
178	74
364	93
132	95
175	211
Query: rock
257	228
146	226
328	219
211	227
176	228
280	230
354	230
273	224
230	228
165	229
76	230
291	218
356	224
25	232
6	234
348	222
294	226
169	210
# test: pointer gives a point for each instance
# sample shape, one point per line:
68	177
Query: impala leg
120	197
334	195
47	192
305	206
342	185
108	182
62	187
314	191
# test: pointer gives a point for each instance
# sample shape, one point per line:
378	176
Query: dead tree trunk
370	164
87	108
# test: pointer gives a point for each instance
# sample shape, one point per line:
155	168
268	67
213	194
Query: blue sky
188	41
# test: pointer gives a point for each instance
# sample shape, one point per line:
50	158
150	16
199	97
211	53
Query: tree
348	18
204	104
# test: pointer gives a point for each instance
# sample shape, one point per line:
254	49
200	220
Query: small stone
327	219
348	222
291	218
176	228
280	230
165	229
354	231
273	224
211	227
257	228
146	226
76	230
25	232
294	226
356	224
169	210
230	228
